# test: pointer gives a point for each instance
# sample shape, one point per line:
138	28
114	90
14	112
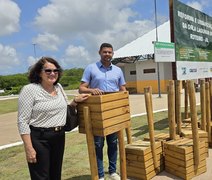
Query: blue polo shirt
107	79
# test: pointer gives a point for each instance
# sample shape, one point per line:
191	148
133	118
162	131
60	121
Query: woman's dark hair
35	70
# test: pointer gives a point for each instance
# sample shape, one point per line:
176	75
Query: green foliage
71	78
13	81
12	84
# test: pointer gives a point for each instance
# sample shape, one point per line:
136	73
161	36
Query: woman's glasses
49	71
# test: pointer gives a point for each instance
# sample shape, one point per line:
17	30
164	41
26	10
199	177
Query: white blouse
38	108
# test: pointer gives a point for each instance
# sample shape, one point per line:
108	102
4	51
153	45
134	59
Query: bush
13	90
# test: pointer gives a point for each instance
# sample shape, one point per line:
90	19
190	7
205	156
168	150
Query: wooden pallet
140	160
109	113
179	158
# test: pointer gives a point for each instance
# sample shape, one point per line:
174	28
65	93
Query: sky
71	31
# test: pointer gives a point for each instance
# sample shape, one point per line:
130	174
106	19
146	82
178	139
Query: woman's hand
30	154
81	97
29	150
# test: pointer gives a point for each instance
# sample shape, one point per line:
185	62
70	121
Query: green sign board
193	42
193	34
164	52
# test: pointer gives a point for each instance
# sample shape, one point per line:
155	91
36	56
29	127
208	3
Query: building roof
142	47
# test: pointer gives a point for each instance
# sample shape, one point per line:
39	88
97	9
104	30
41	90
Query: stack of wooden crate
144	159
109	113
140	163
179	158
203	136
101	115
185	157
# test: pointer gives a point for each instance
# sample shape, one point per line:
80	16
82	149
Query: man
98	78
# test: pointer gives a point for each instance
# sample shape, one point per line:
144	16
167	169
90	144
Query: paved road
9	132
8	122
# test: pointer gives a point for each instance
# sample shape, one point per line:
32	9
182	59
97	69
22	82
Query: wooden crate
161	137
203	136
109	113
179	158
140	160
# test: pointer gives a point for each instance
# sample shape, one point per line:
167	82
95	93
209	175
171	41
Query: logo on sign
192	70
183	70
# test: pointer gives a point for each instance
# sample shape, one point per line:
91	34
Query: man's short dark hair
103	45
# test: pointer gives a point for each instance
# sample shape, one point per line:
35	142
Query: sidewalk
8	122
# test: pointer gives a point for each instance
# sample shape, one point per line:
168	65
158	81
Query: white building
137	62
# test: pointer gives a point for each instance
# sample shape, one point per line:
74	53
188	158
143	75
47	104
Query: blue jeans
111	152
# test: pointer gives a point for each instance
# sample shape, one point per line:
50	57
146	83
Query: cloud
9	58
196	5
31	60
70	16
9	17
89	23
201	4
74	56
47	41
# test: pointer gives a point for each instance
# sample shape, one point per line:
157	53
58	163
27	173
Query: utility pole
34	45
156	30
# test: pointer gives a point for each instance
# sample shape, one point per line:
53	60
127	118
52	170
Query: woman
41	116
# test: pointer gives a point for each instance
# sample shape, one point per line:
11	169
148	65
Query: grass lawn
10	105
76	161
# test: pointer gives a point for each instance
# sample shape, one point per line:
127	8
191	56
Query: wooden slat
107	114
98	99
188	133
134	156
184	157
110	122
183	148
145	164
107	130
110	130
105	106
184	170
181	162
141	147
178	141
138	174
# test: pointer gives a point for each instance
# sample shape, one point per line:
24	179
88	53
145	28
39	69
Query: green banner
193	34
165	45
